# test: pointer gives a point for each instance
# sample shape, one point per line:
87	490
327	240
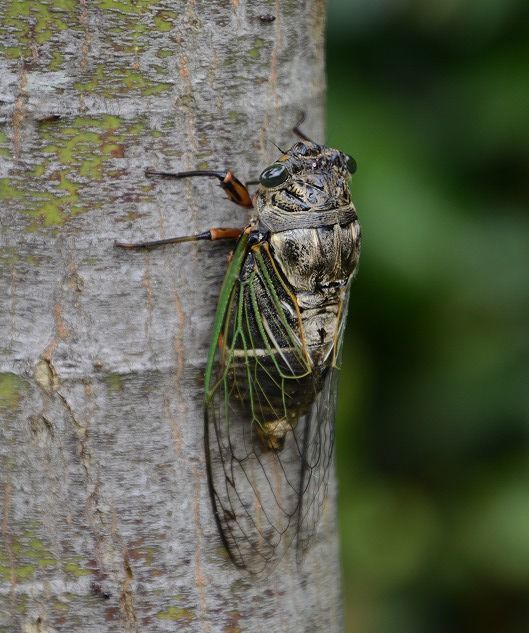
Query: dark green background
432	99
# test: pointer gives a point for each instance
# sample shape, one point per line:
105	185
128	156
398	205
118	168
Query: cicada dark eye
351	163
274	175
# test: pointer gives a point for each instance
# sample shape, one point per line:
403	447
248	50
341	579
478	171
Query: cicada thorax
318	264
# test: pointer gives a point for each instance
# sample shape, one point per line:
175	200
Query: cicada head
306	177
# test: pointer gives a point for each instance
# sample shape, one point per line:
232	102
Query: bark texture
105	520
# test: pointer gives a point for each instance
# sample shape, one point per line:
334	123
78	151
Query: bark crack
46	375
126	600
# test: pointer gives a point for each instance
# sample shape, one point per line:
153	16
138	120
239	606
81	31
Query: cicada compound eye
274	175
351	163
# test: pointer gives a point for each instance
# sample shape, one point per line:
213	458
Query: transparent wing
269	419
317	461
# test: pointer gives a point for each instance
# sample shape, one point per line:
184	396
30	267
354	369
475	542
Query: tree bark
106	522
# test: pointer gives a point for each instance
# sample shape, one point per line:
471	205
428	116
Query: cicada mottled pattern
271	373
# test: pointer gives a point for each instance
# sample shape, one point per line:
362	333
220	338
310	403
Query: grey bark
105	517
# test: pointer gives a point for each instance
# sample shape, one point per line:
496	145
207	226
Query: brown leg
237	192
219	233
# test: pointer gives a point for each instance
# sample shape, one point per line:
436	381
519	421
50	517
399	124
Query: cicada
271	372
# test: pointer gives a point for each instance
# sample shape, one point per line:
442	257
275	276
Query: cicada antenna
277	147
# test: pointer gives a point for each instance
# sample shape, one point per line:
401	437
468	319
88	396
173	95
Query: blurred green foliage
432	99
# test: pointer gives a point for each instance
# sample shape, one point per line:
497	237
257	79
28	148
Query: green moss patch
12	388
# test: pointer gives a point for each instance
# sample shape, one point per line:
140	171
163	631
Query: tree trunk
106	522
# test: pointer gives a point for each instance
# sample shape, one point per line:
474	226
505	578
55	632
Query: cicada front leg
234	188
